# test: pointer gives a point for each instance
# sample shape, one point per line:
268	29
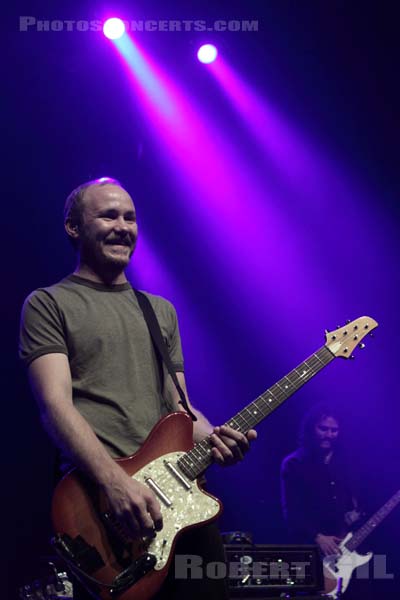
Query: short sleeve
41	328
174	339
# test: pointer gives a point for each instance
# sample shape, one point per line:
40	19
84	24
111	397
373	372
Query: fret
274	396
193	458
196	452
316	363
319	359
185	466
195	469
302	375
189	462
292	376
262	409
315	358
201	448
285	389
234	424
277	392
268	402
310	366
254	410
244	418
243	422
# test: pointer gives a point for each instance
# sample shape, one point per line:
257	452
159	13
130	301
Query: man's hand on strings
229	445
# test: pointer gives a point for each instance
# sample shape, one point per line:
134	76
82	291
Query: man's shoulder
159	302
293	459
50	292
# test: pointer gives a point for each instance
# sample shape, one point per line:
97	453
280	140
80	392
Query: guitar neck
194	462
364	531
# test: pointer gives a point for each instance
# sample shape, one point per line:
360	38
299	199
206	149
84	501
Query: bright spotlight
114	28
207	53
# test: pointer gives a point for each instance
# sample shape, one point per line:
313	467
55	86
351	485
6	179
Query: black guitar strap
160	345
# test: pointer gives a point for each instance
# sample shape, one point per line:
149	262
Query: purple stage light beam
302	164
201	157
114	28
218	179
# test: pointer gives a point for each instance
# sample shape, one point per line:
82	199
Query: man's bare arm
134	505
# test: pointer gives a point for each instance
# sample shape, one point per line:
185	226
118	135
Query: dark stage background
263	224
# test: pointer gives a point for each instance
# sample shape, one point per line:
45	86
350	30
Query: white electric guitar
338	568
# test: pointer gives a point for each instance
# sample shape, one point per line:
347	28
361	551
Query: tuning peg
371	334
348	321
326	330
361	346
352	357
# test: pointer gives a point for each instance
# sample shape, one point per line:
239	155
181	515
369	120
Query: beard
100	254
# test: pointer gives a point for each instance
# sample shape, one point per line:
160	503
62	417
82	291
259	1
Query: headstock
343	340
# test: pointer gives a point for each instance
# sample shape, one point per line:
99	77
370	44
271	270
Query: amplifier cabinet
273	570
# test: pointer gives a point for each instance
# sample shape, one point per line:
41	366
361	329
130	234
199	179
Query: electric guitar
112	565
338	568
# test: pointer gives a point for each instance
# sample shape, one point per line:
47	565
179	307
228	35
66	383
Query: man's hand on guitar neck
230	446
329	544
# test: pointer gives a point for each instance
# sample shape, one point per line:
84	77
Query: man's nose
121	224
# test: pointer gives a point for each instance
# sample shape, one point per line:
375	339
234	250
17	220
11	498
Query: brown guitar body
78	510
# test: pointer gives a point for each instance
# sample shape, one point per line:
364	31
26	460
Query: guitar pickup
177	474
158	491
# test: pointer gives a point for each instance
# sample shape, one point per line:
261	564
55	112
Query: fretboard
360	535
194	462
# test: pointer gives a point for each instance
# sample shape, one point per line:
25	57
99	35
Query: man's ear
72	229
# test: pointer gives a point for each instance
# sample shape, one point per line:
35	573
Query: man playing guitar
95	374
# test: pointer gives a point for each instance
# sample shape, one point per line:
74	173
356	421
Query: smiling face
326	433
108	230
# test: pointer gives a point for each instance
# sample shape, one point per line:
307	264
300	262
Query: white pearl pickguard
188	506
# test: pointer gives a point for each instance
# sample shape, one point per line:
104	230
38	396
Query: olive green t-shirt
116	380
